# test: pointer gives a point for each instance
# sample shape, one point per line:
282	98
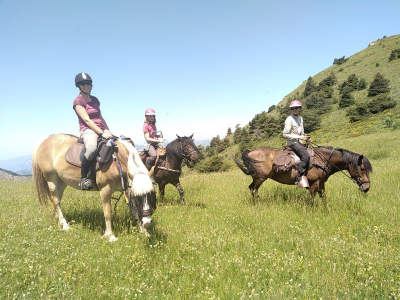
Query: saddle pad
73	155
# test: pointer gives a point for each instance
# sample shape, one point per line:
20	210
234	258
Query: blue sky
203	65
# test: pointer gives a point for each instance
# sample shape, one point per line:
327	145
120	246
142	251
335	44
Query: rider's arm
81	112
149	139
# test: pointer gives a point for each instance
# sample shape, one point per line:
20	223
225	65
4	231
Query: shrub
214	163
339	61
394	55
380	103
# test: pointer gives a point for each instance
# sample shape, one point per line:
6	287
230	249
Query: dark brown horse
325	162
168	169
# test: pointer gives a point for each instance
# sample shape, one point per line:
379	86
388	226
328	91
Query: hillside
4	174
324	107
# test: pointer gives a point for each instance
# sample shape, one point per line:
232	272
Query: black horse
168	168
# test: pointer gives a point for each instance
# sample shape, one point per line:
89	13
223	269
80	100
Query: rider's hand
107	135
305	138
162	140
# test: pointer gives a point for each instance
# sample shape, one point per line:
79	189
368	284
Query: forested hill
357	95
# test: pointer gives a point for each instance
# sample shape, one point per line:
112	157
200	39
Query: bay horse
324	162
168	169
52	174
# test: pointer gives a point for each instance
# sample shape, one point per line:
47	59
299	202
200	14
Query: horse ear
179	138
360	159
191	137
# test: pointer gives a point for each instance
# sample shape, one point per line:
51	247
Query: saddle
161	152
287	159
103	153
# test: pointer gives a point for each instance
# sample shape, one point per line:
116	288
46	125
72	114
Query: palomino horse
168	169
52	174
325	162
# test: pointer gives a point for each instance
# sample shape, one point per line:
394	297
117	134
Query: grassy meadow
219	245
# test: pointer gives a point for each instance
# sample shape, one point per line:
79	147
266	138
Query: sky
204	66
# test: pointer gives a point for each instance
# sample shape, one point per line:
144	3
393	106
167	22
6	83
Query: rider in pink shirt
151	136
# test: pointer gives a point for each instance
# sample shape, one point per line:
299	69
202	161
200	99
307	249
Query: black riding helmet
82	77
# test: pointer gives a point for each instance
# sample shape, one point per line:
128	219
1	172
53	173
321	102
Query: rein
358	181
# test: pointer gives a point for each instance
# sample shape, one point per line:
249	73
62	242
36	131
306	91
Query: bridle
183	148
357	178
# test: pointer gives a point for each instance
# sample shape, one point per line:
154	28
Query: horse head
359	171
142	198
141	193
188	148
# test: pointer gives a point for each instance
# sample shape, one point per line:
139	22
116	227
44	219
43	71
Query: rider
91	126
152	136
294	134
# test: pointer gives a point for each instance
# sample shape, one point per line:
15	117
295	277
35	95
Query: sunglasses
85	83
293	108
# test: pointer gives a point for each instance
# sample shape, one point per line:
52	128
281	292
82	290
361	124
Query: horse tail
248	167
41	186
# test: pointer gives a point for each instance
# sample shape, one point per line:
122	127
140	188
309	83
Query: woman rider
151	136
91	126
294	134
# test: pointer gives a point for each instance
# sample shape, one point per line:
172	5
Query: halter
357	180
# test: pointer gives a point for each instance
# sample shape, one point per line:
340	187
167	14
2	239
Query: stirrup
86	184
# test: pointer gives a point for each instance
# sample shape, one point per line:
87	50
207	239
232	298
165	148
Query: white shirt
293	129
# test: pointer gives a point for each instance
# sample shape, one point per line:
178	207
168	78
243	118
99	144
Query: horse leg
255	185
161	188
106	201
57	188
321	193
181	193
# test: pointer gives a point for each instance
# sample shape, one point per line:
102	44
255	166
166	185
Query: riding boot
86	183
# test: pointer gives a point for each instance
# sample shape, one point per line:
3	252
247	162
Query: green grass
219	245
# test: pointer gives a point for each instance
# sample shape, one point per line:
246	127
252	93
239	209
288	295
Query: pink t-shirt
151	129
93	110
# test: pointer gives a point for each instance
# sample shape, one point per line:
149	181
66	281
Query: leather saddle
104	153
287	159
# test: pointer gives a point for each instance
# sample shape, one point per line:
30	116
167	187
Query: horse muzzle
146	221
364	187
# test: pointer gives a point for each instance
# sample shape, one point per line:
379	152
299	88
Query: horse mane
352	158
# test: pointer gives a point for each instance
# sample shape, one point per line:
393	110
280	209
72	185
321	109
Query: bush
339	61
353	114
394	55
214	163
380	103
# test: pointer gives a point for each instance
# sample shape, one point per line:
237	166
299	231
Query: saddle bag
104	151
282	163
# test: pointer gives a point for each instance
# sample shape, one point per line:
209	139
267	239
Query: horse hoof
65	226
110	238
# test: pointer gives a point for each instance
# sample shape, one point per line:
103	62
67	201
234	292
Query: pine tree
310	87
378	86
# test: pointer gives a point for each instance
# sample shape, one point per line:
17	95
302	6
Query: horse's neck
336	161
173	160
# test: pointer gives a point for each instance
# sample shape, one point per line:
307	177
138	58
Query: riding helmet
150	112
295	103
82	77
